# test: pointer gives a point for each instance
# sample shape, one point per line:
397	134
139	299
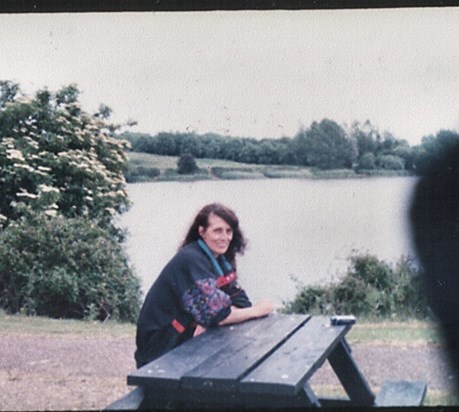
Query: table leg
310	395
350	376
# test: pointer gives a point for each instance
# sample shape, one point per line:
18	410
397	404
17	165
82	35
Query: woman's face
217	235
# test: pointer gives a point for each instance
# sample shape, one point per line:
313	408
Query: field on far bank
49	364
145	167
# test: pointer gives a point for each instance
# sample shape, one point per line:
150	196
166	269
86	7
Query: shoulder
189	252
189	257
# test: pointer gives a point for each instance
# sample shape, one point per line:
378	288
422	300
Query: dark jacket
187	292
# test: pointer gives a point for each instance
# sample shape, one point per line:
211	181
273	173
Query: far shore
144	167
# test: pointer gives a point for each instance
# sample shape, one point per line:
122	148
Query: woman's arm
237	315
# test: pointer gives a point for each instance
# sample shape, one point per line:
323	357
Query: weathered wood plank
166	372
401	393
287	369
222	371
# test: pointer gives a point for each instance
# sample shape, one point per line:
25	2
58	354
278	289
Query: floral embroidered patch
206	302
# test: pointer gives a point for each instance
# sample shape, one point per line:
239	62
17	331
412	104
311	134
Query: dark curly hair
238	243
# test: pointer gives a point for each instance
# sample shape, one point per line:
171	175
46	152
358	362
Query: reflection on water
296	228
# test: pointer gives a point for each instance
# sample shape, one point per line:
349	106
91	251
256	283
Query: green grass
434	397
335	174
288	173
38	325
229	170
409	332
212	169
168	167
389	332
237	174
170	162
151	160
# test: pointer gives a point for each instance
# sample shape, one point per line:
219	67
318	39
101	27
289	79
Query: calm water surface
296	228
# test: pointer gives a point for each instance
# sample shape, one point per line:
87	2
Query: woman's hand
263	307
237	315
199	329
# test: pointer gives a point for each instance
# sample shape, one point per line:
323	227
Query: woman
198	288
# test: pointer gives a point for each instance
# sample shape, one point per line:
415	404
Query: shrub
186	164
390	162
287	173
334	174
234	173
135	174
384	173
370	288
367	161
65	267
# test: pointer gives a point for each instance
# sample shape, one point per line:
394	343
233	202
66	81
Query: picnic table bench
260	363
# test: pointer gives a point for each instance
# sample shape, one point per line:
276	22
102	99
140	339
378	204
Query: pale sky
247	73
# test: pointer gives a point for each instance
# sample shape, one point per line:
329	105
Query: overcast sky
247	73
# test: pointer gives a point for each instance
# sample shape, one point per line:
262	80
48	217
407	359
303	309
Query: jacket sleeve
240	299
199	293
238	296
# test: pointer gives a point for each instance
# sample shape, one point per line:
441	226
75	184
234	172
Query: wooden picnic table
259	363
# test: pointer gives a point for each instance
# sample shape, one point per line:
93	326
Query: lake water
305	229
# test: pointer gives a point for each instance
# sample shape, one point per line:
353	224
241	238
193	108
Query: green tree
367	161
8	92
390	162
57	158
186	164
405	152
366	136
387	144
300	147
433	147
327	146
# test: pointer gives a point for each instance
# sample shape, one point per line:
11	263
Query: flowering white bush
57	158
61	184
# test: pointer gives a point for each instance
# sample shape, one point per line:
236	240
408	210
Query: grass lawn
393	332
37	325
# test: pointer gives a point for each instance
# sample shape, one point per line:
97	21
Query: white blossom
25	193
110	210
14	154
23	166
48	189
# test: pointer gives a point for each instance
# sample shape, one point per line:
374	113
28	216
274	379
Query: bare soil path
88	373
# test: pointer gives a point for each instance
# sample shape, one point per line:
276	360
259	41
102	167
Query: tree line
325	145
